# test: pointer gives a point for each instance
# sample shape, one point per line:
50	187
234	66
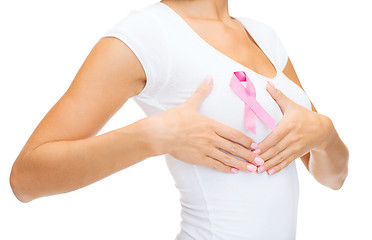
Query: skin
305	134
63	154
302	133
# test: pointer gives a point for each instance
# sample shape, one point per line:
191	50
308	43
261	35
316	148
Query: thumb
200	93
282	100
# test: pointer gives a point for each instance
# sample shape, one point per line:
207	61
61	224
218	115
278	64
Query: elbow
17	185
338	181
334	180
342	175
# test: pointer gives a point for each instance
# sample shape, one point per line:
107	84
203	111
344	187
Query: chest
222	103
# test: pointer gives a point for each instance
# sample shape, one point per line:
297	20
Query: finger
230	160
200	93
276	149
277	159
280	98
217	165
237	150
277	168
273	138
232	134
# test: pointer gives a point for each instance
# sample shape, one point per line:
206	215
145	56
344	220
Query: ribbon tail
263	115
249	119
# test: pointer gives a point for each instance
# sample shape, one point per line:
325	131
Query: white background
44	43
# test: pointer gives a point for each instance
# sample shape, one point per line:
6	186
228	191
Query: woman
216	143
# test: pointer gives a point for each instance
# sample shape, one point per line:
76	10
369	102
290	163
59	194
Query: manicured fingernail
234	170
272	85
261	169
257	151
258	161
251	168
270	171
254	145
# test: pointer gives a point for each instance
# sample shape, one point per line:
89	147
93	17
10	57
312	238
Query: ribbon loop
252	107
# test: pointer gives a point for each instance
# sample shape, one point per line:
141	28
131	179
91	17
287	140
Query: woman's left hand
299	131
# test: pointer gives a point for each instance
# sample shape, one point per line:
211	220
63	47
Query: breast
237	204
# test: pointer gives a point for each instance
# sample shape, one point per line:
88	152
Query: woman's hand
299	131
196	139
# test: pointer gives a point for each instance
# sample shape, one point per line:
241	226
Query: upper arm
110	75
291	74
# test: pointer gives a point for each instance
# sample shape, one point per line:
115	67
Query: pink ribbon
252	107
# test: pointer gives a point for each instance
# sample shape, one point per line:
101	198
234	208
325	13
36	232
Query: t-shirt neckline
187	26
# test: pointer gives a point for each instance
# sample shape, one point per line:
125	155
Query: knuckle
270	153
207	124
280	158
297	126
296	138
297	148
286	163
207	138
291	123
215	165
274	149
210	140
226	159
204	149
234	148
234	136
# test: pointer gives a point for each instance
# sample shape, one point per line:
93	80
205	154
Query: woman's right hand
194	138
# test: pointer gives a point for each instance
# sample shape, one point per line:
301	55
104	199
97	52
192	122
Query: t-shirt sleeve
279	50
143	34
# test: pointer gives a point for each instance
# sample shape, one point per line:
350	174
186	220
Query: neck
215	10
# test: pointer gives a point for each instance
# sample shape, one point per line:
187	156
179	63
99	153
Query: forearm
64	166
328	162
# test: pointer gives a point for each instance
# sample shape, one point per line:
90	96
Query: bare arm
62	154
328	163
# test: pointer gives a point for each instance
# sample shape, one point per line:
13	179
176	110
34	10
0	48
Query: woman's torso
217	205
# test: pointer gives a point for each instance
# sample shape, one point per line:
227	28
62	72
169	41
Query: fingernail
270	171
251	168
254	145
261	169
234	170
271	84
258	160
257	151
207	81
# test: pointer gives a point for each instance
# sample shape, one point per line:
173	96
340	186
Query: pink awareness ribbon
252	107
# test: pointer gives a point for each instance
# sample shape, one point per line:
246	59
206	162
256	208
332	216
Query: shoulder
142	21
143	32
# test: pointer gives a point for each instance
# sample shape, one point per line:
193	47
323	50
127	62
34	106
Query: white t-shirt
215	205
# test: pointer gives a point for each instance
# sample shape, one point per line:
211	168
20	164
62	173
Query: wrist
141	133
330	134
156	134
